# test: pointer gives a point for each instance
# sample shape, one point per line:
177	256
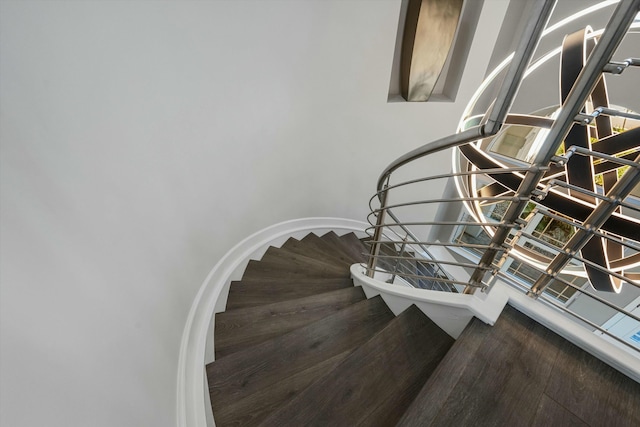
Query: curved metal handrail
471	134
528	43
455	140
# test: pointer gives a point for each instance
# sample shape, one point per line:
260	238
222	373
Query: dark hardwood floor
519	373
299	345
381	376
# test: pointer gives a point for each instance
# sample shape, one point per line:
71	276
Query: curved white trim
190	402
449	311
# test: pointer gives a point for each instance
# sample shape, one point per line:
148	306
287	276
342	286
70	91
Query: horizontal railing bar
627	243
604	166
534	267
410	234
507	276
585	119
425	251
548	300
595	220
597	298
561	218
563	184
402	260
627	205
492	171
589	153
584	261
604	270
617	67
557	183
449	200
408	270
415	276
599	196
435	243
540	241
587	321
618	113
460	264
492	224
513	281
401	269
435	279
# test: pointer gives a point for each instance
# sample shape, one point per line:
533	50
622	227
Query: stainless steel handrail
408	258
528	43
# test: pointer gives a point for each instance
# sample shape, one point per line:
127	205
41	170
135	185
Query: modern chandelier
586	184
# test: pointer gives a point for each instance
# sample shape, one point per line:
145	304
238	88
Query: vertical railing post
614	32
594	221
377	234
522	56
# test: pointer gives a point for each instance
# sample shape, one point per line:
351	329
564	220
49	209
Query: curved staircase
299	345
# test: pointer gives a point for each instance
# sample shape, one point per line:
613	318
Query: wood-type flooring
299	345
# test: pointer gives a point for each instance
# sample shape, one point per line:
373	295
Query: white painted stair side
450	311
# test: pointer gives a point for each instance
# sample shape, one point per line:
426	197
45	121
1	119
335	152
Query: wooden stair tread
427	402
337	251
253	409
250	293
316	246
348	368
356	246
271	281
518	372
331	238
238	329
256	368
382	374
280	269
294	259
346	246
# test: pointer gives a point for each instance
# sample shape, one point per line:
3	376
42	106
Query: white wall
141	140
